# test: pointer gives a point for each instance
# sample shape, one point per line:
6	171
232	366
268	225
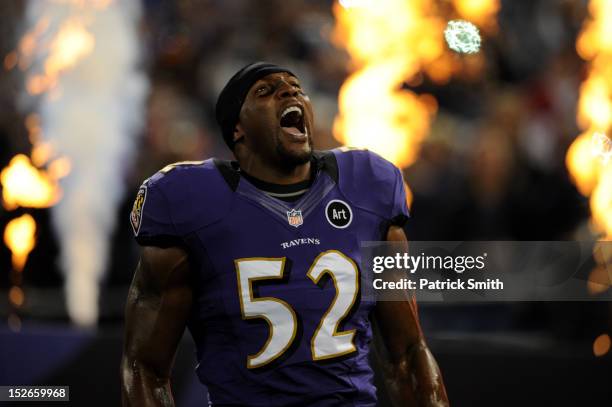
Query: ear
238	133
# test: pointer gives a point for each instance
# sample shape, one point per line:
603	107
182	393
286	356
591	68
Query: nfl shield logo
295	218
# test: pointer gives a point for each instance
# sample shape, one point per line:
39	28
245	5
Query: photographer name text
457	265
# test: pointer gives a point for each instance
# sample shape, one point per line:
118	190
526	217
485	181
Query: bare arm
156	313
411	373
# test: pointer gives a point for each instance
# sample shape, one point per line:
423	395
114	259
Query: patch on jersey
338	214
295	218
136	215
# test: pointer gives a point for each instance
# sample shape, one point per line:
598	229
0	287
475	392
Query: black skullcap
233	94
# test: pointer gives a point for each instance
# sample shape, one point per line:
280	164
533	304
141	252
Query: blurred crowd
492	167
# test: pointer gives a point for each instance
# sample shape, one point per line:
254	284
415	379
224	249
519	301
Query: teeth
291	109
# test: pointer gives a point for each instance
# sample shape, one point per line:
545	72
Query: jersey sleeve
373	184
151	218
399	213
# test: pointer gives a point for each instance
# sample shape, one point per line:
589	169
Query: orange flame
390	42
71	43
591	174
601	345
64	45
19	238
480	12
25	185
16	296
601	203
600	278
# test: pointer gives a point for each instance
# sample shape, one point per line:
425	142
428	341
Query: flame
64	46
389	42
25	185
591	173
582	166
599	280
409	195
59	49
10	60
19	238
71	43
28	43
480	12
601	202
59	168
16	296
601	345
392	42
596	35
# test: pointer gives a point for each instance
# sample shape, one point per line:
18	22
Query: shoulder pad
371	182
195	191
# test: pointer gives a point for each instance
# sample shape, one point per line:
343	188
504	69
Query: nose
286	90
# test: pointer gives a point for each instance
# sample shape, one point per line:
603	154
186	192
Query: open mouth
292	121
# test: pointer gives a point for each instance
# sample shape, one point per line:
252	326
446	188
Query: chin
294	157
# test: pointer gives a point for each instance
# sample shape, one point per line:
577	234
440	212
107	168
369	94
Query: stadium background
486	161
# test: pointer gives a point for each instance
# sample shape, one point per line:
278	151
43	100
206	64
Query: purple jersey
277	318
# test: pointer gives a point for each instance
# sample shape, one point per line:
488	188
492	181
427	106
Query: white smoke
92	117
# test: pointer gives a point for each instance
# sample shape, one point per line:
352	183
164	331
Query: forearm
140	386
414	379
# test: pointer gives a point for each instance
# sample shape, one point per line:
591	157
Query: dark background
479	176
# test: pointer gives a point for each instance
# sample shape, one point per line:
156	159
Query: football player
259	259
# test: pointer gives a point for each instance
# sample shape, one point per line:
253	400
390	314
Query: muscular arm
411	373
157	308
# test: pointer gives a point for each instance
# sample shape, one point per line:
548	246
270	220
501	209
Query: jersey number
326	342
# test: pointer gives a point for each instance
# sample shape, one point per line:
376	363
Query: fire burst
83	76
588	169
71	43
24	182
19	238
390	42
480	12
25	185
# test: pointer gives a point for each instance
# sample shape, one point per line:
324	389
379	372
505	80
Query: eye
262	90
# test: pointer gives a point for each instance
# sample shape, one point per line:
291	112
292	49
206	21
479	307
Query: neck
261	170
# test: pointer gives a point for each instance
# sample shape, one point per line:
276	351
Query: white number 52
326	342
